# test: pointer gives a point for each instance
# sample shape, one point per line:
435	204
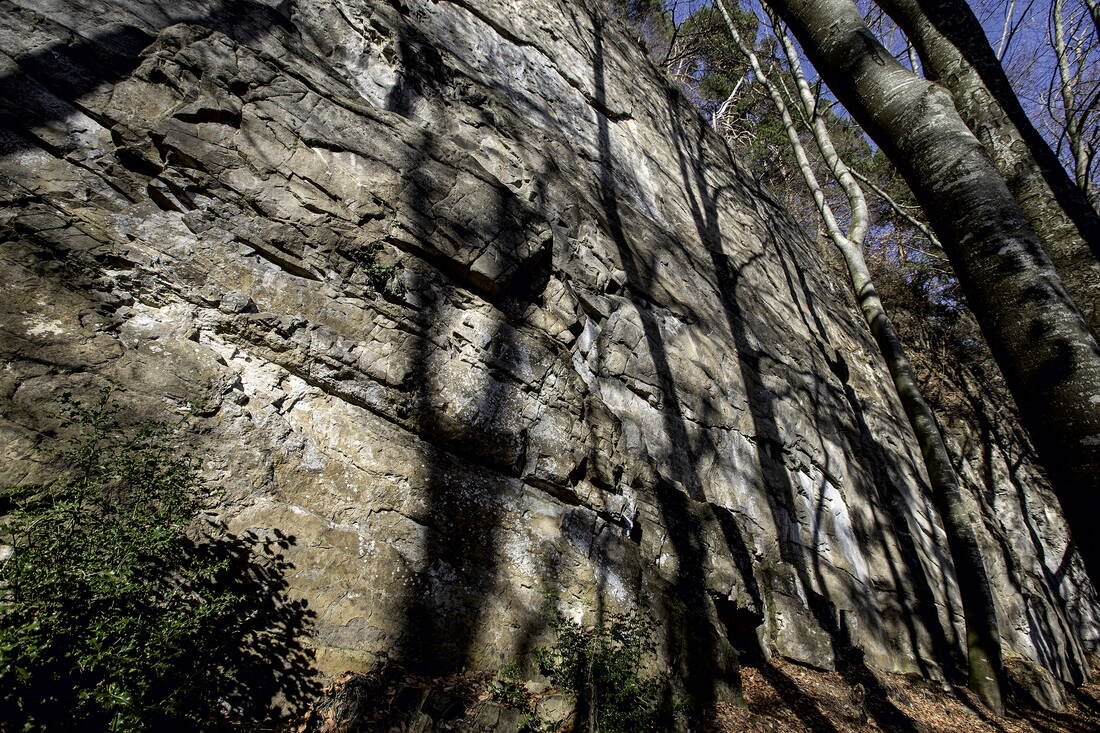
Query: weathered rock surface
464	296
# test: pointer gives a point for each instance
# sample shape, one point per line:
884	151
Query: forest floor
780	697
785	697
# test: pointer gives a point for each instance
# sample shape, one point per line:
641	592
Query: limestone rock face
464	296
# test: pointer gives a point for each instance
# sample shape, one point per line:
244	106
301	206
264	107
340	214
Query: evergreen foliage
603	668
117	613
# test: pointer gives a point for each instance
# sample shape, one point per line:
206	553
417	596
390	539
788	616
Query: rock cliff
467	298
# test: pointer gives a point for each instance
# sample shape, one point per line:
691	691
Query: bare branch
900	210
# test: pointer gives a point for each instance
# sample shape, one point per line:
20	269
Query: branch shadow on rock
255	658
229	641
75	67
781	495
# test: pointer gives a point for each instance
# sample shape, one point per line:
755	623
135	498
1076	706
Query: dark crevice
211	115
163	202
282	262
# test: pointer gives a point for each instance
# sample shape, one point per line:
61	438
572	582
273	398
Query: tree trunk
983	641
1049	358
985	670
1075	120
955	53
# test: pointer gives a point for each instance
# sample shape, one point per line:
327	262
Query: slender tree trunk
1074	120
911	54
1048	356
1094	11
955	53
1004	29
900	211
985	671
983	640
983	643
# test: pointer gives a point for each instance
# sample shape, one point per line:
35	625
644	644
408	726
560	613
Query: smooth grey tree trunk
1045	350
955	53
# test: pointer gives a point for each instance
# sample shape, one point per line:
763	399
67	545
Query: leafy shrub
379	276
602	668
510	690
117	613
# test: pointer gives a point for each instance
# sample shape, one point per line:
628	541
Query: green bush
380	277
602	667
122	609
510	690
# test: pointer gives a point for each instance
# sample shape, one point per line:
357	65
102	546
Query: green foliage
511	691
705	38
603	668
642	12
117	614
379	276
366	256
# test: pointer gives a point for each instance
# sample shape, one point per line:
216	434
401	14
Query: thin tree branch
899	209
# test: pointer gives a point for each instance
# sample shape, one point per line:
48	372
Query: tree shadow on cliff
459	512
916	605
1015	450
421	71
696	655
465	392
763	404
79	65
904	563
904	569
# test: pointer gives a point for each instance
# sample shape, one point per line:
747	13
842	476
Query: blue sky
1028	58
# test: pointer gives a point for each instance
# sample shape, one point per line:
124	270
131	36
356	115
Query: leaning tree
1040	340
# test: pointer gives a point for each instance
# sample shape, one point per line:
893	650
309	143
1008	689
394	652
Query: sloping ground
466	299
779	697
785	697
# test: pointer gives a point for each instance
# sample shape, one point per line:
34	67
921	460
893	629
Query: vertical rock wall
464	296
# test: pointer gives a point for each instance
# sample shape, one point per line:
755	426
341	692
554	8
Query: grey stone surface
605	363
